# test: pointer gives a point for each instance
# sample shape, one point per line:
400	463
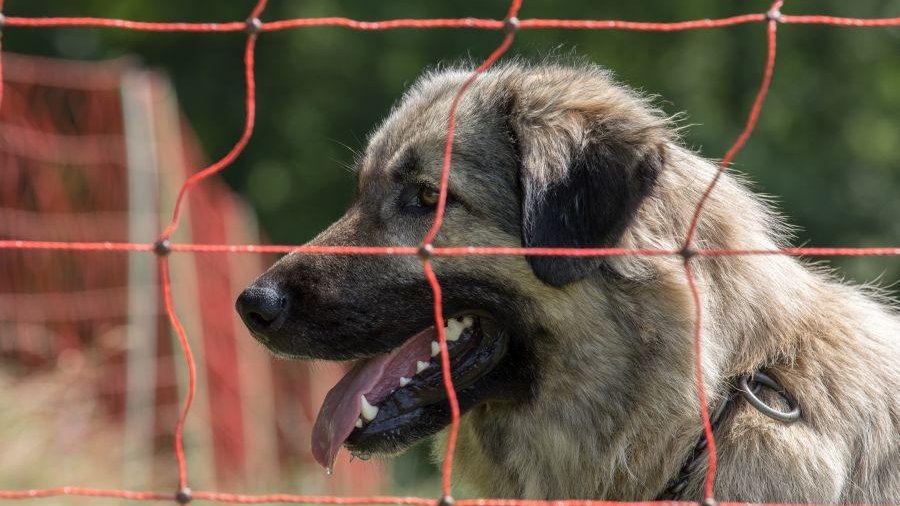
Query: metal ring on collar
764	379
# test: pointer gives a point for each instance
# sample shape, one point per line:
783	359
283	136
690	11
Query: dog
575	376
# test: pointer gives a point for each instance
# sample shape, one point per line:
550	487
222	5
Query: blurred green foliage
826	147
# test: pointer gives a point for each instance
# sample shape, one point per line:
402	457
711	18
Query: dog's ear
583	176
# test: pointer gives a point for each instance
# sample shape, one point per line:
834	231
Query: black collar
747	386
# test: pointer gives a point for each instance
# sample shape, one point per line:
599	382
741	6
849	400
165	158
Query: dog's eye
420	198
428	197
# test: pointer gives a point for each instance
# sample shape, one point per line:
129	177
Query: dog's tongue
375	378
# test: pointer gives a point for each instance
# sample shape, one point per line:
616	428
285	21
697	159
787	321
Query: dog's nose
261	308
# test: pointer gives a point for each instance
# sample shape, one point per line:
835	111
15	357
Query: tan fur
614	410
830	344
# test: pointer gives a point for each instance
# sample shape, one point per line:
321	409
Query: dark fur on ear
583	176
591	207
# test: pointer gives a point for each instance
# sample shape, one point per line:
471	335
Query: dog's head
547	155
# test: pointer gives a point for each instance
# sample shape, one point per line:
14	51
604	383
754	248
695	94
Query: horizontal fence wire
441	250
474	23
253	26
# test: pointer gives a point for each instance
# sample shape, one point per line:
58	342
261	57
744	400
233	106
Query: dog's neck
623	412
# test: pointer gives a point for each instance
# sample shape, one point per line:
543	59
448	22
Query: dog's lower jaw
488	366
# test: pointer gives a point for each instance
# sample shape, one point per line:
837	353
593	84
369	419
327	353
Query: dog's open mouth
389	400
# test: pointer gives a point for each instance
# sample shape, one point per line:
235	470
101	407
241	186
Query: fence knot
162	247
447	500
2	20
709	501
774	14
510	24
254	25
687	252
425	251
184	496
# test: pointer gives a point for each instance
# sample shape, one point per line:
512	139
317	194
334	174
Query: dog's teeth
359	423
405	381
454	329
421	366
368	411
435	349
468	321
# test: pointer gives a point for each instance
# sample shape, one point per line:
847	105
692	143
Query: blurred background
94	147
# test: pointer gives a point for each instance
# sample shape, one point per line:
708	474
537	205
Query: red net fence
97	151
92	244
